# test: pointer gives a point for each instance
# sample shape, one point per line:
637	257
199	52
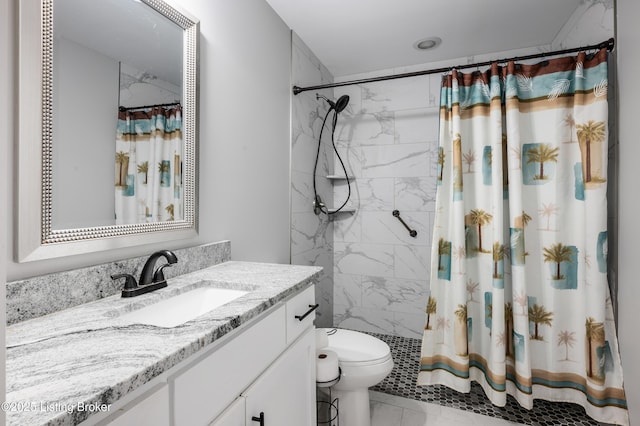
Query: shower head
339	105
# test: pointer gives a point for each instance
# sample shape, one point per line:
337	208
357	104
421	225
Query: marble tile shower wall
388	137
311	235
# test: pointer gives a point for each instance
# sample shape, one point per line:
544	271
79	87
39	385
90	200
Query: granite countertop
63	365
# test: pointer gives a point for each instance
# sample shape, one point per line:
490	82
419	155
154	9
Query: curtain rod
608	44
123	109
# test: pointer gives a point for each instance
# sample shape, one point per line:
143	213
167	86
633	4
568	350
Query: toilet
364	361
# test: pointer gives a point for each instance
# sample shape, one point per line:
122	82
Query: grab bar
412	232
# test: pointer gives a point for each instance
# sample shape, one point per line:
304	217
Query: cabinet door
203	391
152	410
286	392
233	415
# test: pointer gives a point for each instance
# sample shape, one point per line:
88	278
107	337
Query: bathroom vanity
270	365
252	358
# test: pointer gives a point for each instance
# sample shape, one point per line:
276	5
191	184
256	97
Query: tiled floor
390	410
402	383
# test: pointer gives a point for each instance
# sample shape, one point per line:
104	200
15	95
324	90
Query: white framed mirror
107	126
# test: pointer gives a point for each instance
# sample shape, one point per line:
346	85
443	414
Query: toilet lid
353	346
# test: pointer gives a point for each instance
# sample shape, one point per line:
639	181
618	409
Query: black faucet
150	280
148	276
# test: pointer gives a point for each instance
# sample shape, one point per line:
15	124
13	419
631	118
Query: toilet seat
355	348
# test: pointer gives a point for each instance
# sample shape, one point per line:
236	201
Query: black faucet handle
130	282
158	276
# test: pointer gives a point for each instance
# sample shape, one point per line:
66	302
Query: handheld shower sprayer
337	106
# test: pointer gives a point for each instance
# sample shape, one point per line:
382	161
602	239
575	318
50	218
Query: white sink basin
183	307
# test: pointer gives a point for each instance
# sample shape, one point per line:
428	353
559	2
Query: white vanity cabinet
269	367
283	395
234	415
151	409
266	365
204	389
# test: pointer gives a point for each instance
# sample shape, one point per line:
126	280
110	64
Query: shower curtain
148	184
519	299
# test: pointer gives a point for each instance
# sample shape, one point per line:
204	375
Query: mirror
104	84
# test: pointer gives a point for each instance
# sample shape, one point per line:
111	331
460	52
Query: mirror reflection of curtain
148	166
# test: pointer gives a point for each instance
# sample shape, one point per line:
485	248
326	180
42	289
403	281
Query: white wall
84	126
245	90
244	136
7	126
628	40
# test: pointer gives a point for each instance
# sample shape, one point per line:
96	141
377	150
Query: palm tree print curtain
519	298
148	184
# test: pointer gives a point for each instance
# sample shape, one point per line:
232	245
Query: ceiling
128	31
357	36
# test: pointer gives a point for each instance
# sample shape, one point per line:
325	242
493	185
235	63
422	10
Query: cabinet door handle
312	308
259	419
